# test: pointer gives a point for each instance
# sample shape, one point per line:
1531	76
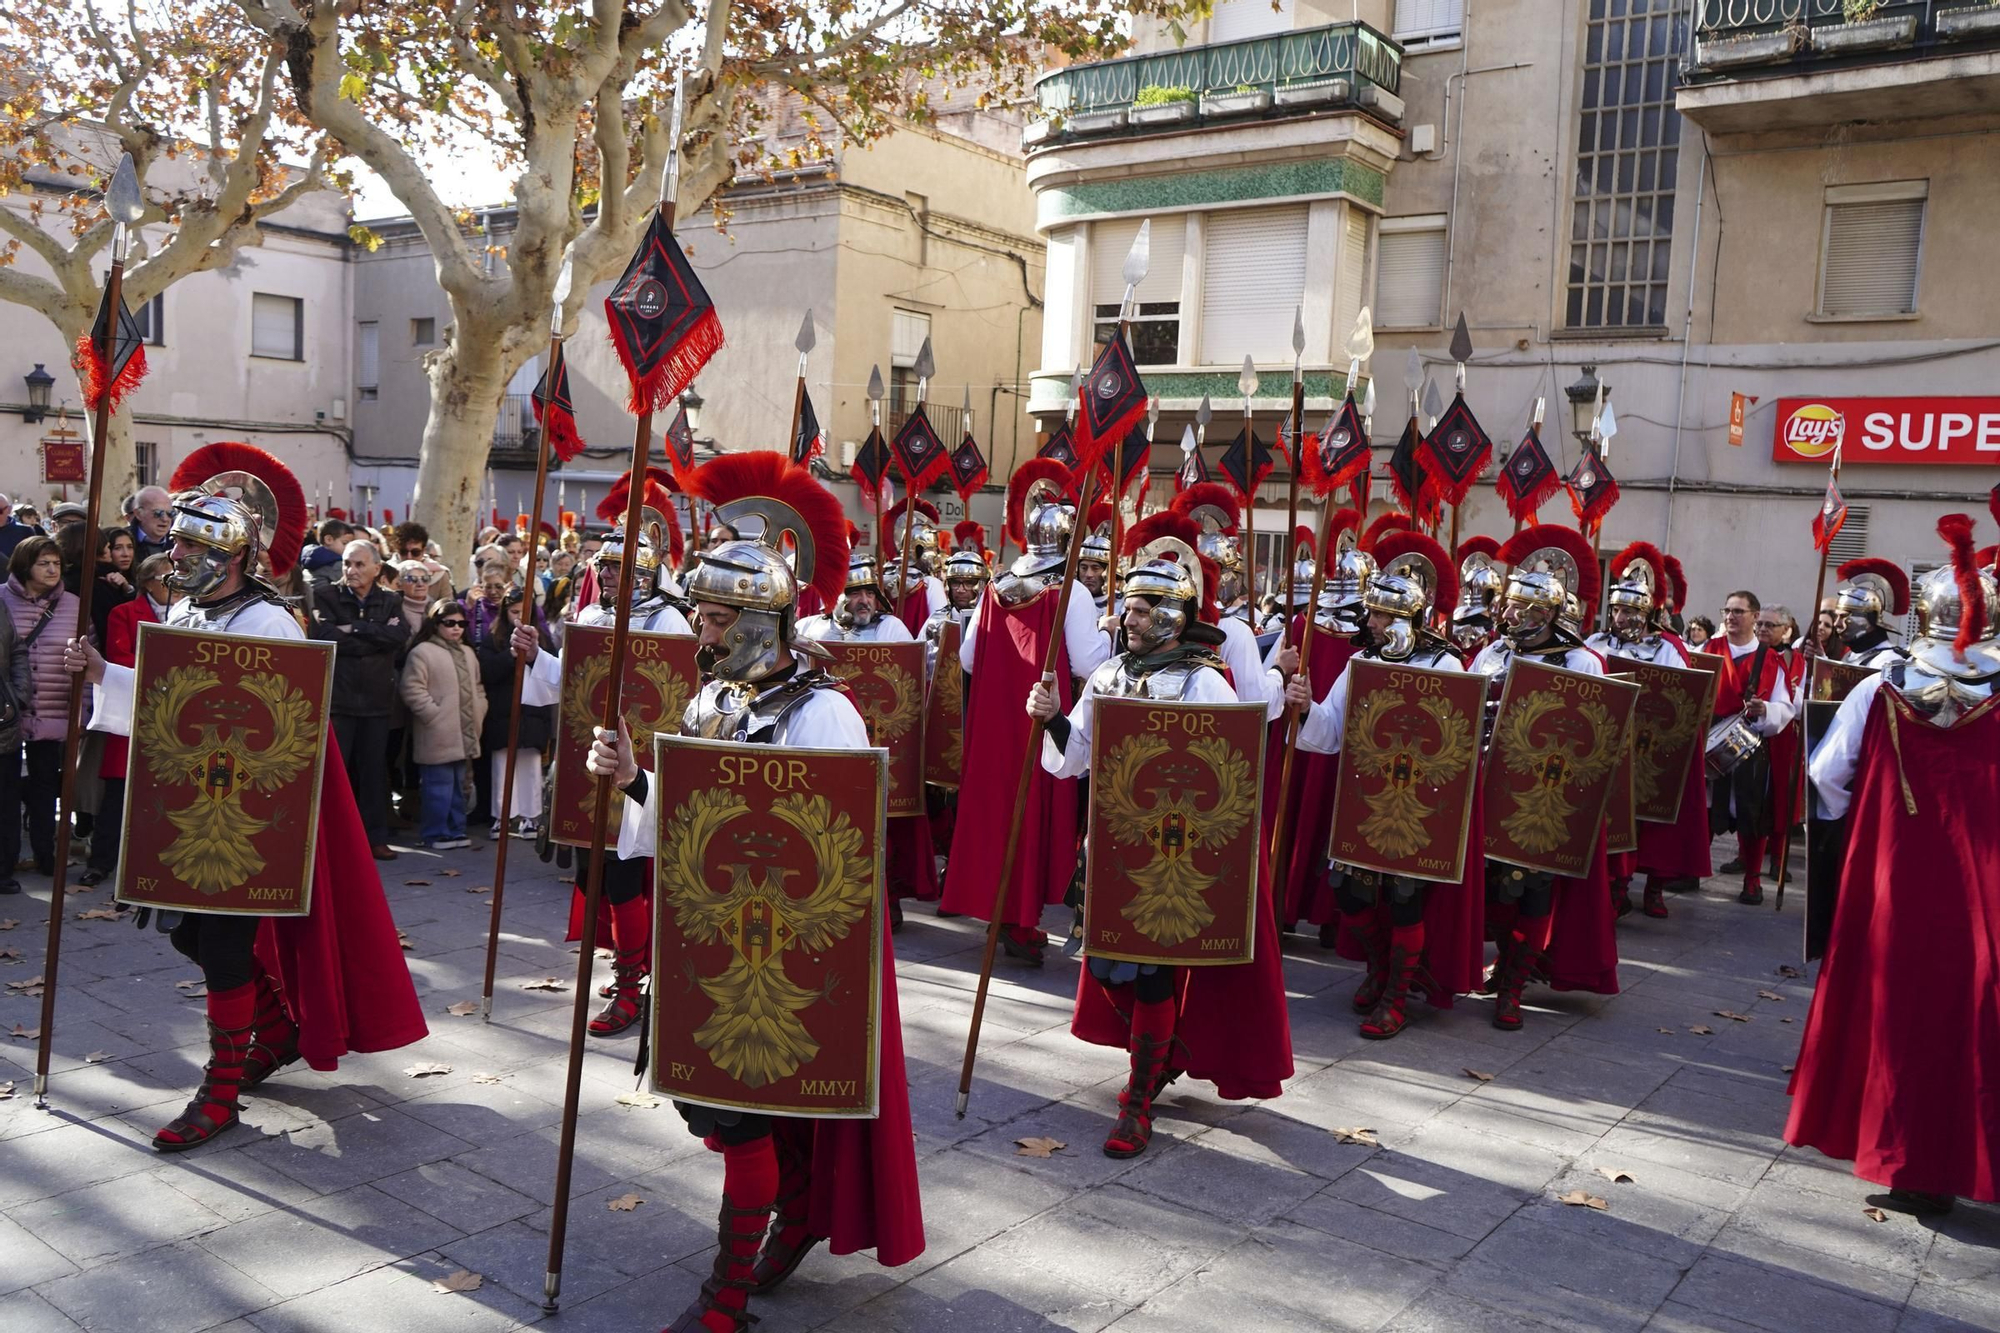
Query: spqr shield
1557	740
1621	817
944	711
767	927
886	682
659	679
223	785
1669	731
1171	871
1409	769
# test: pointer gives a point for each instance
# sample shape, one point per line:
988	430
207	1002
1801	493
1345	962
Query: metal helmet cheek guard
1172	587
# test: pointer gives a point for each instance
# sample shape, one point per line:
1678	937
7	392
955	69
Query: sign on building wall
1963	431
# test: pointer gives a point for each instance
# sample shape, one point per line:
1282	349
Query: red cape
916	610
863	1190
1454	920
1231	1029
1583	941
341	965
1899	1064
911	860
1302	892
1008	663
1680	849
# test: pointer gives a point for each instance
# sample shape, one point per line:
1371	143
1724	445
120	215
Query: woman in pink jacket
44	616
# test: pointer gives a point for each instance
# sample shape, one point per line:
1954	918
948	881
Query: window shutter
906	337
1348	282
368	355
1428	18
1409	279
1237	19
1111	241
274	326
1871	257
1851	542
1256	276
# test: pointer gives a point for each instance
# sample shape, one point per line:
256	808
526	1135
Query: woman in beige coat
441	688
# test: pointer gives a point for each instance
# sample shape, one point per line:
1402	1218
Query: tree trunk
458	436
121	467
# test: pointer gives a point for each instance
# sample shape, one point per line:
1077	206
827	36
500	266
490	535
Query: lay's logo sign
1813	430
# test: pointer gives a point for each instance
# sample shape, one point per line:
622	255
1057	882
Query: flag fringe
91	369
658	391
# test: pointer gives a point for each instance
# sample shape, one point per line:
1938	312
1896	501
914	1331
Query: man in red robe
1900	1057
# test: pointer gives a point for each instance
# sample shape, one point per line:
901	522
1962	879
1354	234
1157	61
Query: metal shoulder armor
1942	699
731	711
1013	589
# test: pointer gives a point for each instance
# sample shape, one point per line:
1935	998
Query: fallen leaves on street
1578	1199
485	1078
1769	995
1732	1015
429	1069
1479	1074
1787	970
416	884
546	983
1700	1031
642	1099
625	1203
463	1008
1615	1175
100	914
32	1034
462	1280
1361	1136
1038	1147
97	1057
1874	1214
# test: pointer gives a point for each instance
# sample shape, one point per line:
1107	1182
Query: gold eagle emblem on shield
1539	820
1396	808
1171	905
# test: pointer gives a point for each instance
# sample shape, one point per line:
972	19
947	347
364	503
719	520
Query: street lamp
39	383
691	404
1582	397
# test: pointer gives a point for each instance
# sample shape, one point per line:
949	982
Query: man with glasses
149	514
1753	684
12	530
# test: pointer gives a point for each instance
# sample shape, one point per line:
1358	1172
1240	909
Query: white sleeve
669	620
541	686
893	630
1255	683
639	823
1325	723
1073	760
825	721
111	706
1087	645
1208	687
1779	710
1839	751
969	640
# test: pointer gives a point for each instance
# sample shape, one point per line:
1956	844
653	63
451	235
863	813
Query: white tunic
542	686
885	629
1325	724
111	708
1088	646
1779	710
1206	686
1839	751
1255	683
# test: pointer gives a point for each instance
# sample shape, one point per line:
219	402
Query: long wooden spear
925	367
560	297
1135	272
608	720
1782	876
1246	384
125	205
1298	428
1117	475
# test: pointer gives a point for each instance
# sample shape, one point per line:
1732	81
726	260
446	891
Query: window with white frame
1254	271
907	331
1409	272
1234	20
1871	247
1156	309
367	360
1421	23
146	462
277	327
151	318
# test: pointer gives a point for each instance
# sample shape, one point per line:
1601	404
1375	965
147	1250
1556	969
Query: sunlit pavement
343	1198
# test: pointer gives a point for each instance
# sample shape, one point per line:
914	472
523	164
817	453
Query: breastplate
1013	589
1940	698
216	619
727	710
1124	677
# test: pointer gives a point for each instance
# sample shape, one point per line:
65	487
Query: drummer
1753	688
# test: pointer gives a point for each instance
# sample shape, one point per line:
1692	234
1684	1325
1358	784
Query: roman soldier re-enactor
1003	649
1411	932
1901	1049
852	1183
1753	688
1668	854
1093	558
637	575
280	989
965	579
1871	591
1479	586
1213	509
1224	1024
1551	568
925	592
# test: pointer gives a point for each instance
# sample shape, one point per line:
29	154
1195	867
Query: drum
1730	742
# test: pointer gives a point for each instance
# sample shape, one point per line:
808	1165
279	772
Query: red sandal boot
1621	895
1152	1046
215	1106
1656	899
631	936
749	1184
791	1238
1406	960
1372	928
275	1040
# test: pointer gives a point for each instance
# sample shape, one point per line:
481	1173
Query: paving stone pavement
343	1196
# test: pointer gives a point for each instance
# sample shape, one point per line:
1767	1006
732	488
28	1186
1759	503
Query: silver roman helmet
1958	612
1046	525
1551	576
1413	574
753	575
1340	596
231	500
1167	572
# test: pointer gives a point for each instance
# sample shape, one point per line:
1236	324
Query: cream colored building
1688	195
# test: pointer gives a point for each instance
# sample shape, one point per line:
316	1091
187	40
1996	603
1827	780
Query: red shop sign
1965	431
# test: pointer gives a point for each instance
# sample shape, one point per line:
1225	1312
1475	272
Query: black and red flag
871	463
1134	456
1455	451
1831	516
810	442
1061	446
107	383
554	412
1247	461
968	468
680	442
1338	455
1592	489
1529	479
1111	400
662	321
918	450
1414	488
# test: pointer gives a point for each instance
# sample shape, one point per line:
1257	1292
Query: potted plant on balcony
1242	100
1981	18
1156	104
1312	93
1866	29
1733	50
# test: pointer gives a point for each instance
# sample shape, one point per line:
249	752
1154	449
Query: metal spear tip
967	409
1152	411
1361	343
1413	371
1461	341
1187	439
1368	400
1246	383
875	389
565	278
123	200
1139	257
1433	400
1205	413
804	342
926	365
1298	331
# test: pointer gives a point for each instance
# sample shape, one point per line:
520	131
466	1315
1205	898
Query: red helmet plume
1444	597
1529	540
767	473
1890	573
283	542
924	507
1101	514
1302	535
1651	557
1395	520
658	498
1956	529
969	532
1479	544
1167	523
612	507
1025	476
1677	582
1211	493
1344	520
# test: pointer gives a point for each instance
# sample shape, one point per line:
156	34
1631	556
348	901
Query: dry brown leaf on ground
416	884
462	1280
1664	1032
1874	1214
24	985
1578	1199
404	940
1787	970
8	923
10	954
479	888
1479	1074
99	914
1784	1020
1361	1136
1732	1015
1038	1147
1769	995
7	1091
485	1078
1615	1175
1701	1031
427	1070
625	1203
462	1008
451	874
642	1099
546	983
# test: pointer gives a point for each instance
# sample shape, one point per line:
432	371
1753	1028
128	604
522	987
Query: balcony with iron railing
1341	65
515	434
1776	64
